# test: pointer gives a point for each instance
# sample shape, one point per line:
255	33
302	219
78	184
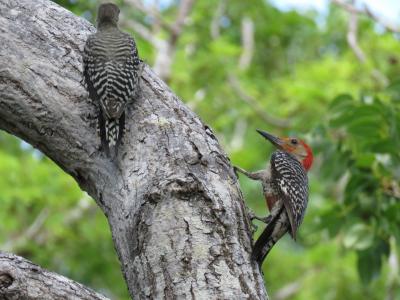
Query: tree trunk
172	200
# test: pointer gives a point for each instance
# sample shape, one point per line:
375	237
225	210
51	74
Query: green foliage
46	218
361	137
302	71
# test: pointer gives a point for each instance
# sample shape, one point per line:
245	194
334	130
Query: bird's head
108	13
292	145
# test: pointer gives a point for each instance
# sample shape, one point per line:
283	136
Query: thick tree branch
21	279
173	203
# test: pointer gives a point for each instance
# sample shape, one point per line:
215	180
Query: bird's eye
294	141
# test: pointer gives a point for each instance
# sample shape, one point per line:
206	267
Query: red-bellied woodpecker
111	69
285	187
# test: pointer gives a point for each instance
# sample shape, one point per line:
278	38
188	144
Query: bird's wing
291	183
88	65
132	67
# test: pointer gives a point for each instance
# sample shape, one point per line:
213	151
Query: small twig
32	232
287	291
76	213
153	12
247	43
165	48
389	26
184	10
215	23
274	121
290	289
366	12
348	7
29	233
393	276
143	31
243	63
352	37
236	142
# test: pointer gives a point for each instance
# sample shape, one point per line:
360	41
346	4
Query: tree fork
172	200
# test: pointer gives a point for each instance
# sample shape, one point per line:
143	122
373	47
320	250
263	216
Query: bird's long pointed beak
273	139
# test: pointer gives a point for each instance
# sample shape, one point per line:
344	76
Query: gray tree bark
172	200
21	279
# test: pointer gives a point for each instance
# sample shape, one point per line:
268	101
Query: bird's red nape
308	160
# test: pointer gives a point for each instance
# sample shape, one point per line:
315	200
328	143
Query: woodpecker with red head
285	187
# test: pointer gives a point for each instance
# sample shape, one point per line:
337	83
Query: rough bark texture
173	203
21	279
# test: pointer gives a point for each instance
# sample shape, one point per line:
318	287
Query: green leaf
368	266
342	102
384	146
369	261
365	160
394	90
358	237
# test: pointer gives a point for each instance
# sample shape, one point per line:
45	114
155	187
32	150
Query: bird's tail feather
111	132
274	230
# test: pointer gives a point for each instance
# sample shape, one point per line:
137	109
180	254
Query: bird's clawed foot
238	170
235	170
253	216
265	220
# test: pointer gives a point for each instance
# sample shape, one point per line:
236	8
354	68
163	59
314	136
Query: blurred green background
242	65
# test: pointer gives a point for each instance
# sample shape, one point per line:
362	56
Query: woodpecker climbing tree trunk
172	201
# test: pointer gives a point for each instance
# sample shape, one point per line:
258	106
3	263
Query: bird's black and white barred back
111	73
291	183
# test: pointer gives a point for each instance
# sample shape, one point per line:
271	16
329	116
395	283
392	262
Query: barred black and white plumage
111	75
290	187
291	183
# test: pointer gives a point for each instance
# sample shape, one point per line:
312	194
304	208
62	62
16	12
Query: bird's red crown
294	146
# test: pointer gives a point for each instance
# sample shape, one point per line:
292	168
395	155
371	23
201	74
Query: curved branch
259	110
172	200
21	279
